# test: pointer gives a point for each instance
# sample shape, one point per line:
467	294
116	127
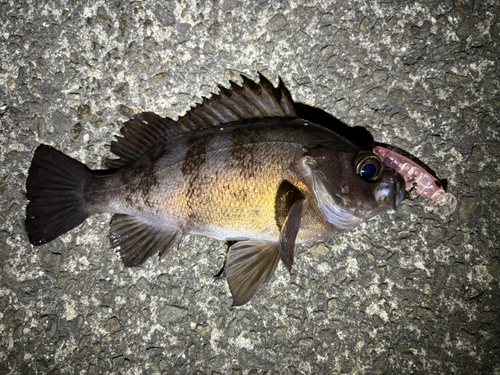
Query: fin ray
143	132
135	239
288	212
250	264
288	234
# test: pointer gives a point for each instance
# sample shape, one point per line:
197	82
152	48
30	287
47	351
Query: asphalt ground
408	292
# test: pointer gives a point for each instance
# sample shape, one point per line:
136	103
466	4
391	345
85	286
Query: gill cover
331	206
333	212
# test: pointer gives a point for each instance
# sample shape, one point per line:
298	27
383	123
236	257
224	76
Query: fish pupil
368	171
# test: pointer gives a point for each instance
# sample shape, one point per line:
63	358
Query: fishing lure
417	177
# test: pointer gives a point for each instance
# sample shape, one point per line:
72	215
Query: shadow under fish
241	167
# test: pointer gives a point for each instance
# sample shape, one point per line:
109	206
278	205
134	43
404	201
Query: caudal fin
55	190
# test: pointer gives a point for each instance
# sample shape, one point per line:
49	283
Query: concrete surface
410	292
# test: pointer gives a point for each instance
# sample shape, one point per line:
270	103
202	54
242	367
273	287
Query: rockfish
239	167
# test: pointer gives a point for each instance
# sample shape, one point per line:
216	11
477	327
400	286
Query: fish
240	167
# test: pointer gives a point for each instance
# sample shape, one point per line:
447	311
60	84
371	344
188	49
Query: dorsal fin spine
249	107
259	104
227	112
207	118
198	120
188	123
286	101
272	102
227	96
210	108
238	109
270	95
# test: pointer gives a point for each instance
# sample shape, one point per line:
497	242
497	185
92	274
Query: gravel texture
409	292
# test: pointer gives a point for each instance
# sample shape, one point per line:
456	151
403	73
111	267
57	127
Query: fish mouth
391	194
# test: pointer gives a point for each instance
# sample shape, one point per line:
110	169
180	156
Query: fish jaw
391	194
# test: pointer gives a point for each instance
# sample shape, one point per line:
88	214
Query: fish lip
401	194
391	194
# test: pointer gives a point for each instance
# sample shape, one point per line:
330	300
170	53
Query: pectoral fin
135	240
288	208
250	264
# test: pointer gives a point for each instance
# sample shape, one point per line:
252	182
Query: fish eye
368	166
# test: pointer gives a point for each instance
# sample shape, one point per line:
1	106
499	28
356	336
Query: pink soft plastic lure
414	175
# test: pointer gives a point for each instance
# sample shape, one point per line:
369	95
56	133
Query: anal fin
250	264
135	239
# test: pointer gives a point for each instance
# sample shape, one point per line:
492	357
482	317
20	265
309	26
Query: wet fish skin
268	180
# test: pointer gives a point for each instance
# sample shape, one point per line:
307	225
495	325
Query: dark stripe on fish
243	145
194	160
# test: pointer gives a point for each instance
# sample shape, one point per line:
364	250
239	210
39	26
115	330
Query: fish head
351	185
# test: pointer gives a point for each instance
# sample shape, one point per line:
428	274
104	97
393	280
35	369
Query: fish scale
240	167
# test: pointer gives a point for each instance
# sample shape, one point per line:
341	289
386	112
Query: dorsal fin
147	130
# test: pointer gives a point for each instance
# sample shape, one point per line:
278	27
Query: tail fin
55	189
